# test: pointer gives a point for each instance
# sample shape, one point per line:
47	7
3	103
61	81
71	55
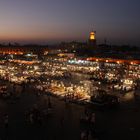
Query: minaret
92	35
92	39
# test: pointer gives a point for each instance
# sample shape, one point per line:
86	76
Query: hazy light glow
60	20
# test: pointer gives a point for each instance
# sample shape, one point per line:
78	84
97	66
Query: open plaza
54	98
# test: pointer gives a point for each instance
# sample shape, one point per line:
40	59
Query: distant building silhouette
20	50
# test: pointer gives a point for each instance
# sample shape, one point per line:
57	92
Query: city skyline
50	21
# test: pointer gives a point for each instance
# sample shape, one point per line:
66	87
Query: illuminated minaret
92	35
92	39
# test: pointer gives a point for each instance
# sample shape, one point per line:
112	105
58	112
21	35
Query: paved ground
120	124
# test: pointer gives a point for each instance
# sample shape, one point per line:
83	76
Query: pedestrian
39	118
86	111
92	123
6	120
82	135
87	134
31	118
62	121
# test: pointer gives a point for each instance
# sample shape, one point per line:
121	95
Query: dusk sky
64	20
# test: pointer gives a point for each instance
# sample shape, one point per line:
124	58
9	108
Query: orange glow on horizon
118	61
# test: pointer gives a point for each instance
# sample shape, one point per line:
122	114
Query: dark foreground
63	122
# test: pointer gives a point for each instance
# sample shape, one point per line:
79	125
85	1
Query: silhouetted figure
6	120
62	121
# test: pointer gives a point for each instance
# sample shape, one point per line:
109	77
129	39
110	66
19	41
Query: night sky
49	21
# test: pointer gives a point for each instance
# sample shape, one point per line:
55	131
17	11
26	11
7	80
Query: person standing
6	121
62	121
92	125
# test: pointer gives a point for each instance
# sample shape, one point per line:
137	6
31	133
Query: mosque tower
92	39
